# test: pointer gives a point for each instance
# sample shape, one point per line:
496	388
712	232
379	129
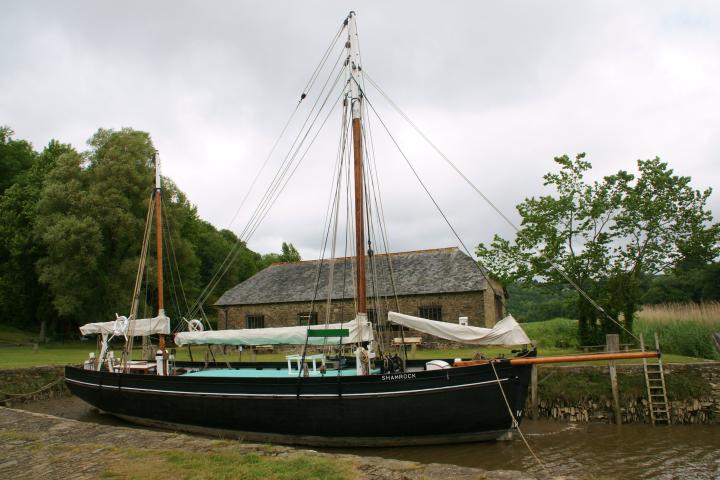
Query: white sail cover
505	332
360	330
122	326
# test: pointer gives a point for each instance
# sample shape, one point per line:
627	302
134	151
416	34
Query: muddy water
578	451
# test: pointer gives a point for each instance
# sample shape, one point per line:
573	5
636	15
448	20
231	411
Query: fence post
534	392
612	342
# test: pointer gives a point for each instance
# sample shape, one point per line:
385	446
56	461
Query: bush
555	333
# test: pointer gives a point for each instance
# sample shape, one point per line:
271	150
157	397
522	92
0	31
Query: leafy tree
607	236
24	302
289	253
16	156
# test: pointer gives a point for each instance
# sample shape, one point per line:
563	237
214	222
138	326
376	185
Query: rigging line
383	229
296	166
305	91
127	348
437	206
289	161
375	182
371	219
318	68
516	424
295	147
265	163
340	162
174	263
554	265
326	233
173	286
281	189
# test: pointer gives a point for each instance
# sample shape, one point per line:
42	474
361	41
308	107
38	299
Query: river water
586	451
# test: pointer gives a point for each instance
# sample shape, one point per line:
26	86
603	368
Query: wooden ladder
655	381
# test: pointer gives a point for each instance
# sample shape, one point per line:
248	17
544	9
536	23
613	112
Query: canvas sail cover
359	330
122	326
505	332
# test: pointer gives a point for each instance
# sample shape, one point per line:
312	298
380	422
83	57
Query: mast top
158	185
355	68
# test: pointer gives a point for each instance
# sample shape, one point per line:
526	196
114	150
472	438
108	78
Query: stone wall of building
474	305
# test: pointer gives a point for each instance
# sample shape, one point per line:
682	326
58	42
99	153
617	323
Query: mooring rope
515	421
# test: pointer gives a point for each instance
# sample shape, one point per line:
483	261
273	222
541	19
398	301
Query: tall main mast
355	105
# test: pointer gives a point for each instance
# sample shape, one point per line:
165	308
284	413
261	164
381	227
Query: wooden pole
613	346
534	392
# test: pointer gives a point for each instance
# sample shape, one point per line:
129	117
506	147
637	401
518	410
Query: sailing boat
352	400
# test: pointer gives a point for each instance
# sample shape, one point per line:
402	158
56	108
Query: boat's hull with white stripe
424	407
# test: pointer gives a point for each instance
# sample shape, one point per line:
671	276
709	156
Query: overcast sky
500	87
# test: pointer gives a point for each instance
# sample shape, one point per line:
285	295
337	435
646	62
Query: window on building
255	321
431	312
307	318
372	315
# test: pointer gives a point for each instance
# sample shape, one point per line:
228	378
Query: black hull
425	407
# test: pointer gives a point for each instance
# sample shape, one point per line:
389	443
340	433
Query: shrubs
555	333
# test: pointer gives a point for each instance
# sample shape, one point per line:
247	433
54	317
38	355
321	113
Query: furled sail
359	330
505	332
122	327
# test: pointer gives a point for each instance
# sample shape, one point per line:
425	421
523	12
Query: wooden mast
158	236
355	103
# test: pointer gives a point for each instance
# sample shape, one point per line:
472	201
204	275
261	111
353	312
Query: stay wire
306	90
261	211
427	191
507	220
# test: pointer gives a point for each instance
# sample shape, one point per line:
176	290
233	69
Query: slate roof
444	270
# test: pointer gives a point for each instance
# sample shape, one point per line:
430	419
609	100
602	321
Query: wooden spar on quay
595	357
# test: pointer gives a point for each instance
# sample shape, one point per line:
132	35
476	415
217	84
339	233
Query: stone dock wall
583	393
23	385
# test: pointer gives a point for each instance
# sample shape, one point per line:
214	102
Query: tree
606	236
16	156
289	253
24	302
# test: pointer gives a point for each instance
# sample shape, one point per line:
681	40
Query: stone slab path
39	446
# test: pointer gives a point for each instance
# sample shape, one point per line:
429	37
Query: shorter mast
162	353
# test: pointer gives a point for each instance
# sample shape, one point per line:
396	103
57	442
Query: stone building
440	284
